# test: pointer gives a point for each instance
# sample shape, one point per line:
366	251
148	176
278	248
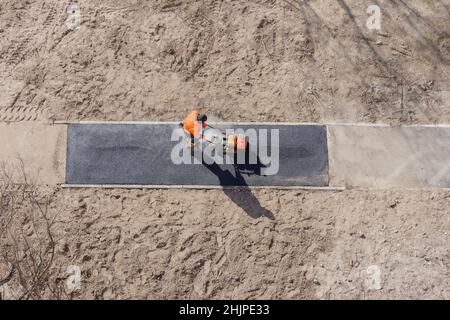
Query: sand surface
244	60
303	61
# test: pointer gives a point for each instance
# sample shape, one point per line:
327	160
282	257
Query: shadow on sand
237	189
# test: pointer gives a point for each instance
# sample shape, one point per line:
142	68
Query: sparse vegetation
27	246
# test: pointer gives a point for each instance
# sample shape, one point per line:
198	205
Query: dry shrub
27	246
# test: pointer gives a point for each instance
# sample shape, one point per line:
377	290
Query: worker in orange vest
194	124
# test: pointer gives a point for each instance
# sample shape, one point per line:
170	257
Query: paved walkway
384	157
366	156
41	148
141	154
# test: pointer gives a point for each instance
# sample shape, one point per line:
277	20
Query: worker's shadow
242	195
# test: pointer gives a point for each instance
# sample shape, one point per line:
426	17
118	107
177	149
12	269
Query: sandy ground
258	60
207	244
242	60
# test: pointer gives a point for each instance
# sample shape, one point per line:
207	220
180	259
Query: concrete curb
200	187
379	125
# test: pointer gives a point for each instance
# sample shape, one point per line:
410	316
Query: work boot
190	143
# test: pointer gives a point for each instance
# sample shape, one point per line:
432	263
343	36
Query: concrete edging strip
347	124
202	187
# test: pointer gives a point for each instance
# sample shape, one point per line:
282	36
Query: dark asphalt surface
140	154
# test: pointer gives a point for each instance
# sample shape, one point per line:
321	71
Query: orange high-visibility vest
191	125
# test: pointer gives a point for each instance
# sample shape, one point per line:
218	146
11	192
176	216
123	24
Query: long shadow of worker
242	196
